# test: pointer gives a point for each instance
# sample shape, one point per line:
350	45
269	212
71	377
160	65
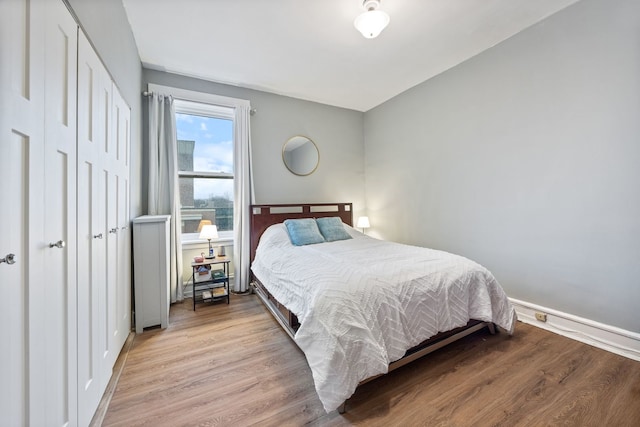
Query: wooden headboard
263	216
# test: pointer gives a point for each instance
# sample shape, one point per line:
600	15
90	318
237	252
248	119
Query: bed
359	307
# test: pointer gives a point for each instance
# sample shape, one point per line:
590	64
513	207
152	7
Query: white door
21	160
103	329
111	264
121	134
58	404
93	103
37	196
118	267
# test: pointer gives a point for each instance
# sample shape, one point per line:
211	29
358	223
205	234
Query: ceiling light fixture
373	21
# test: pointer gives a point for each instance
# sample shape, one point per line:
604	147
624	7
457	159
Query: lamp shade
371	23
209	232
363	222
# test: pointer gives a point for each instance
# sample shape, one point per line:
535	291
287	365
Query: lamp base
210	257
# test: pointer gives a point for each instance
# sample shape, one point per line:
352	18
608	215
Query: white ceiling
309	49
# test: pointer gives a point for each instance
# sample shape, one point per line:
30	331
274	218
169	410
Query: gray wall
337	132
106	25
523	158
526	158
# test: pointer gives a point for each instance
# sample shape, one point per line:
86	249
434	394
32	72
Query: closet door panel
14	168
124	290
121	133
89	229
93	118
104	328
58	329
21	161
111	265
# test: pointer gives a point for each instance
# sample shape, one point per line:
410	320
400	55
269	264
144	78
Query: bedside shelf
212	286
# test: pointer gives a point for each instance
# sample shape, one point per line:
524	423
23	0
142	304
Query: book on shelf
202	277
217	274
207	295
219	292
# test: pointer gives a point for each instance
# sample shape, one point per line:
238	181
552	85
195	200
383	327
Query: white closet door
108	159
57	355
111	262
61	191
121	114
93	127
103	329
37	171
21	161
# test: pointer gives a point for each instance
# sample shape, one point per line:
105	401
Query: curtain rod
252	111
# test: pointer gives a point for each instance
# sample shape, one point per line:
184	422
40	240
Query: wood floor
232	365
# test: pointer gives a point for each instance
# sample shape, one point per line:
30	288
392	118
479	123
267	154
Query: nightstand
208	282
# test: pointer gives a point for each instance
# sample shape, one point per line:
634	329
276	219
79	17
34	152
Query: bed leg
492	328
342	408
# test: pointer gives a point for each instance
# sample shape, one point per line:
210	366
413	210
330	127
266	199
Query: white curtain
243	196
164	196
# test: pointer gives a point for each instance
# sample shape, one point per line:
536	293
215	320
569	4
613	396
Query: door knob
113	230
59	244
9	259
98	236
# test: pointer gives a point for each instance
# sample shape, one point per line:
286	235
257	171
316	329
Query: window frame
196	108
222	103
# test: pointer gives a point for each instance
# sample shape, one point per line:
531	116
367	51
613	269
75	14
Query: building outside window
205	166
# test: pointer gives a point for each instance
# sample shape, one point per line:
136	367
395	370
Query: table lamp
363	222
209	232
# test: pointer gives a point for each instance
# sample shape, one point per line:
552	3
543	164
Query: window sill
190	242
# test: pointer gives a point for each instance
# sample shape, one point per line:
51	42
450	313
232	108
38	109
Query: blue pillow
332	229
303	231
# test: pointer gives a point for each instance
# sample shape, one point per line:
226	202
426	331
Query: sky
213	151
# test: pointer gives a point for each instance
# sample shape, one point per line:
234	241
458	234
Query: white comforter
363	302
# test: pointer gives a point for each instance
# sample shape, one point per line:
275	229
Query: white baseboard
610	338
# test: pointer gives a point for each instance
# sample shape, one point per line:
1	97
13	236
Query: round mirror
300	155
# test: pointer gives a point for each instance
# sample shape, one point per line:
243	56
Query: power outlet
542	317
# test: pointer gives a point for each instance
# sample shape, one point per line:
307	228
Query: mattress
363	302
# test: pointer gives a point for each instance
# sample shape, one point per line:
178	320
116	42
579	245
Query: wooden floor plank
232	365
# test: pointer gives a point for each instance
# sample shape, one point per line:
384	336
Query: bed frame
263	216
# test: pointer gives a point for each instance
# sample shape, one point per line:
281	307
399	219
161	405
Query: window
205	166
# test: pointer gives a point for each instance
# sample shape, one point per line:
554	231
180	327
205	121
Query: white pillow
275	236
